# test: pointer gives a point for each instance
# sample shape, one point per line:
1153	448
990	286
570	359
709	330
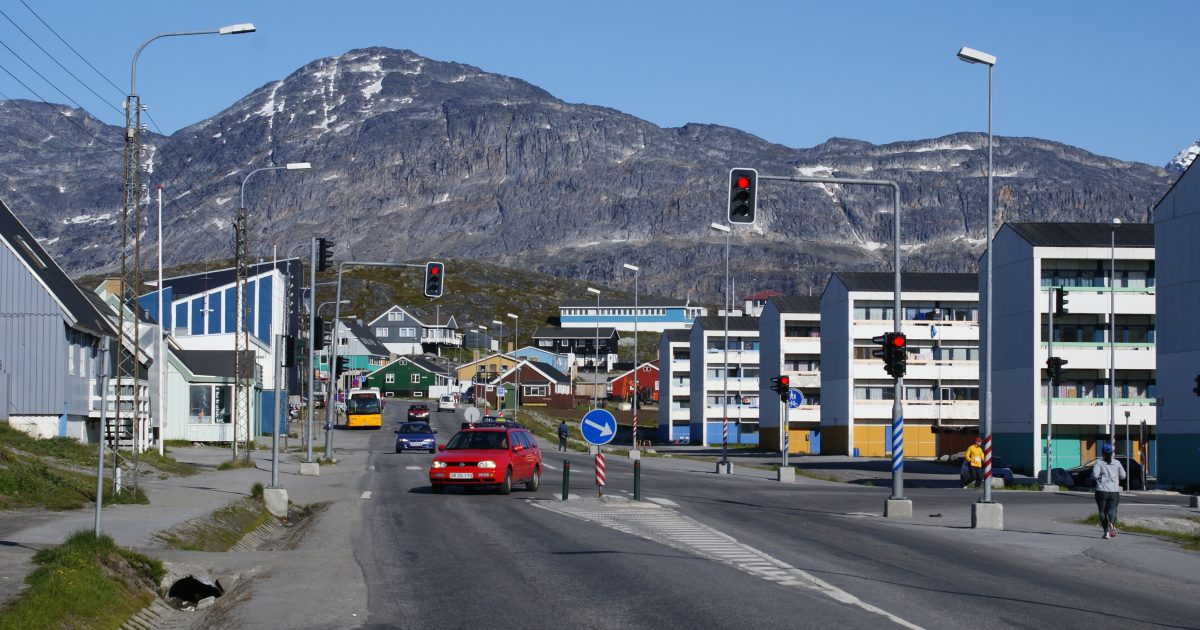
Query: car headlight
437	464
487	463
404	440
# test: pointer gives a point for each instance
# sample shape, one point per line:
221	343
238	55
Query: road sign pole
566	479
786	406
599	474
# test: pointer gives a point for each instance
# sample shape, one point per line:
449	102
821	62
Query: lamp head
497	322
237	29
970	55
298	166
718	227
630	267
591	290
512	316
1116	222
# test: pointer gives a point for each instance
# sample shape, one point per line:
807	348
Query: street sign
795	399
500	392
471	414
598	427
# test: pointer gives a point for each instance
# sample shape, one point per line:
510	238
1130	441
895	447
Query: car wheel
438	488
399	450
506	486
432	451
534	481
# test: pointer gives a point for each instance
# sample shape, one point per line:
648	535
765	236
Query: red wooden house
622	386
541	386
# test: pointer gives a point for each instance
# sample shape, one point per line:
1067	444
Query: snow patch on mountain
1183	159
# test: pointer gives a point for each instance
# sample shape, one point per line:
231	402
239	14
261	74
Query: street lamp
500	344
972	56
596	348
1112	334
635	269
483	329
291	166
517	370
725	377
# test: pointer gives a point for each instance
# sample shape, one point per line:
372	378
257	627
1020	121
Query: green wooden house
408	377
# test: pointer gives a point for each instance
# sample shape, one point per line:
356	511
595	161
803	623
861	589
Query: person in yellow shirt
975	464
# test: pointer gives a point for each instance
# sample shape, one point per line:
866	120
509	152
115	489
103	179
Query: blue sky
1110	77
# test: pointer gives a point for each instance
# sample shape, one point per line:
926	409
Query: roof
486	358
191	284
367	338
427	365
211	362
910	281
797	303
717	322
549	371
1084	234
675	335
77	306
761	296
418	315
552	332
644	301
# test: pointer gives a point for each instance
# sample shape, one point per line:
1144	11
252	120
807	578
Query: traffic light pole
896	505
331	399
312	351
1051	381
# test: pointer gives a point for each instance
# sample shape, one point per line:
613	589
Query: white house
718	393
790	334
675	386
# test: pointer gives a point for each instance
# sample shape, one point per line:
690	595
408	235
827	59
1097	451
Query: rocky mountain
1183	159
417	159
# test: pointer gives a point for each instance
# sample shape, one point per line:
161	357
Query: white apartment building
674	386
790	334
941	388
710	381
1176	232
1031	259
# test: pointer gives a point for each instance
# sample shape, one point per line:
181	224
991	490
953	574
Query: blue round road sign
598	427
795	399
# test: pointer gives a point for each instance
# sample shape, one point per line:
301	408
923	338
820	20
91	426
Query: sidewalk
175	500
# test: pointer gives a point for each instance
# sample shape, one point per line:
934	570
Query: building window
389	378
395	317
415	379
381	332
536	390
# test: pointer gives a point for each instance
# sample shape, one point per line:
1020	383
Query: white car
446	403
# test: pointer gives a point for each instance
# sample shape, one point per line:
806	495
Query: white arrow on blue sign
598	427
795	399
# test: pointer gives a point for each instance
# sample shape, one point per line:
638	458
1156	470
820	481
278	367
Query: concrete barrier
312	469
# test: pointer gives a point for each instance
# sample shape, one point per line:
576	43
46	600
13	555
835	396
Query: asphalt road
811	555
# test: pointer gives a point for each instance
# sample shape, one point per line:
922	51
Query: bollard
637	480
566	479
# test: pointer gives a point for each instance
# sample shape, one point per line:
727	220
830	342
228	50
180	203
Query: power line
55	109
43	77
81	57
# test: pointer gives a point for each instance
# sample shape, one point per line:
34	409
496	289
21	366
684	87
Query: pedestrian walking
563	431
975	464
1108	473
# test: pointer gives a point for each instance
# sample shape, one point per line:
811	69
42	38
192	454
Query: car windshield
481	440
998	463
363	404
415	427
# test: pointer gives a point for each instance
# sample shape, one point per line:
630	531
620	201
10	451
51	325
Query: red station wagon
488	454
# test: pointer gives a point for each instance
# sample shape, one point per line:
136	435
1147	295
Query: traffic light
343	364
894	353
781	385
324	253
318	333
743	195
289	351
435	273
1060	302
1054	368
1196	389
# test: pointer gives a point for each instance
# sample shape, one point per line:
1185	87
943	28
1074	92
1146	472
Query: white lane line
366	495
370	468
545	465
666	502
412	468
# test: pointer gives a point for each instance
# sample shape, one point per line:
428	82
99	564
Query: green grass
165	463
63	448
256	491
30	482
86	582
177	443
234	464
326	461
219	531
547	429
1191	542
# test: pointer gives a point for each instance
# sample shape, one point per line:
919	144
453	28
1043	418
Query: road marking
663	502
675	530
412	468
370	468
545	465
366	495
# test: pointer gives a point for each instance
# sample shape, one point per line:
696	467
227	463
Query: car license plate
461	475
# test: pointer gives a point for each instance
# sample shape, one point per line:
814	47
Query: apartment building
654	314
790	334
940	316
1176	232
716	390
675	386
1032	259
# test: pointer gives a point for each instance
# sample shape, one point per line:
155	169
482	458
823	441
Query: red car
418	413
488	454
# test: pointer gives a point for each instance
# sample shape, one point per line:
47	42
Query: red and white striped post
600	474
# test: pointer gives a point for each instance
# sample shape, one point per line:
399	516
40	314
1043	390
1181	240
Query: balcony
738	412
735	384
1095	355
1094	411
1127	301
443	337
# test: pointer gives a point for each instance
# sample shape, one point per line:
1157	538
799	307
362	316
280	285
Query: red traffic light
434	270
899	341
784	381
743	182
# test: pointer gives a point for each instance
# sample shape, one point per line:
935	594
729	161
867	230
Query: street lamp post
973	56
500	344
162	336
725	376
596	349
1112	334
517	369
636	270
483	331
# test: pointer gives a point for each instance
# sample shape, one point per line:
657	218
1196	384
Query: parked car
1000	470
1081	476
446	403
318	401
489	454
415	436
418	413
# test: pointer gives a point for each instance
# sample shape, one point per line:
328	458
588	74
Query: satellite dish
471	414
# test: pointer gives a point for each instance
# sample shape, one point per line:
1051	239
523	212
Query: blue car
416	436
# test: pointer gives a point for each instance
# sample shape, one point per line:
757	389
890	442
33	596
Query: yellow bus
364	408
